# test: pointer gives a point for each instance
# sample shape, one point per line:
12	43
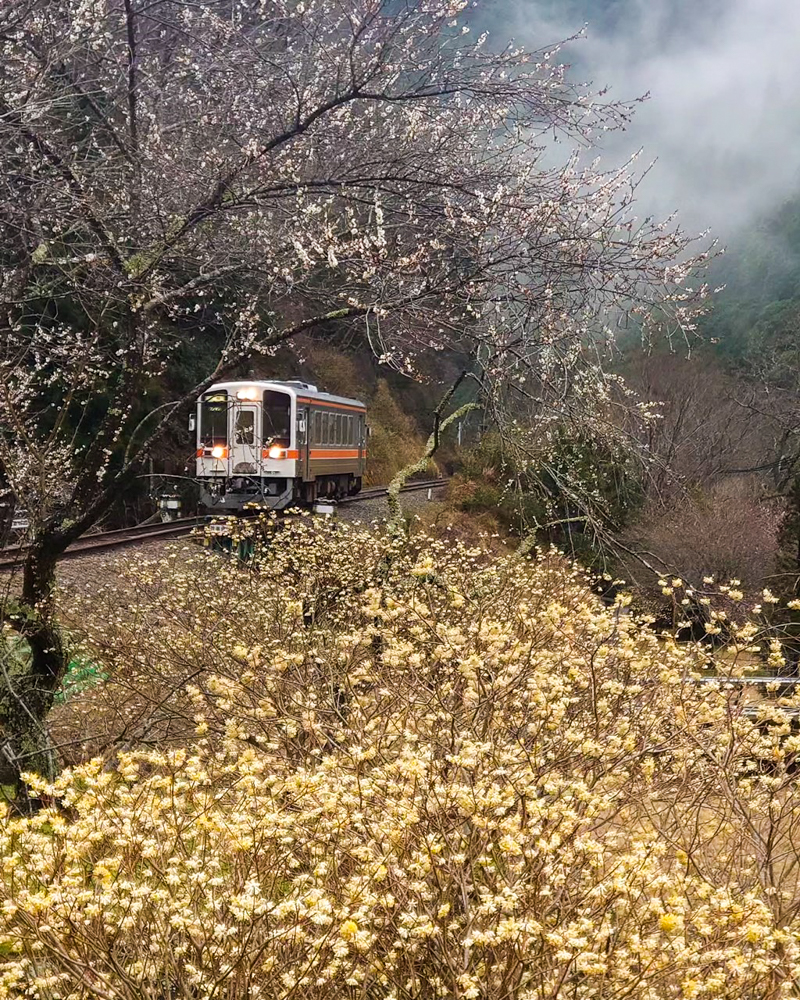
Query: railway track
375	492
13	555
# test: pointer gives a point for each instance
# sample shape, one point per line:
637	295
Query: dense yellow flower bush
369	768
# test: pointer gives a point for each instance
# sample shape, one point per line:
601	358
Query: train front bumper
234	494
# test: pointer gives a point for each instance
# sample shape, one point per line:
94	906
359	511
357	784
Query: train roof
296	387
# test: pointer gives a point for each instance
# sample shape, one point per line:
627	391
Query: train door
244	439
304	441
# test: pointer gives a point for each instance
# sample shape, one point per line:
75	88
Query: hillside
758	313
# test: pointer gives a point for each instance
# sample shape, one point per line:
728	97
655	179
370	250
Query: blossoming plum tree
258	168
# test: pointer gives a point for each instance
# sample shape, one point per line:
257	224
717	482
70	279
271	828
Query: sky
723	116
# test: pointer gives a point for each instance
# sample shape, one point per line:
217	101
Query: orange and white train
275	444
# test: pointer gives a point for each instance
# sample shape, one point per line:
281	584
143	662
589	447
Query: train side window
338	428
325	428
350	436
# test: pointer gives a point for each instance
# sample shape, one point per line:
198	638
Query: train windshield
214	419
277	417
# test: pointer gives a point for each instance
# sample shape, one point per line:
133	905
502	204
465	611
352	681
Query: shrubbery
370	768
570	492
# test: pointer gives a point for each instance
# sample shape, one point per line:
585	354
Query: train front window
277	417
214	420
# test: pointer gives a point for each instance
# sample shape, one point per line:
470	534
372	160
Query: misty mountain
722	119
722	123
758	312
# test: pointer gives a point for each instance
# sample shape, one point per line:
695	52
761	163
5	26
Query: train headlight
219	451
249	392
276	451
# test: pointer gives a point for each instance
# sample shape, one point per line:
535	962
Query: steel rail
13	556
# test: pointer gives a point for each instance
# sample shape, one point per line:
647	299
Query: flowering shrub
400	771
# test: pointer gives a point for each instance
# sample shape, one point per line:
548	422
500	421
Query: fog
723	117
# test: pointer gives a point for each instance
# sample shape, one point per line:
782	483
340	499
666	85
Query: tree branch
54	158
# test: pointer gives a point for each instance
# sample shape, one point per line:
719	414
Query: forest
532	738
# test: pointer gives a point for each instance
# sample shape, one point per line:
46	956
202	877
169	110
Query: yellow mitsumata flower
349	799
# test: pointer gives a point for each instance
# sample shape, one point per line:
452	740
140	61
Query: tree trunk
30	680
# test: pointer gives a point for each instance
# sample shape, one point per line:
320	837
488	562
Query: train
276	445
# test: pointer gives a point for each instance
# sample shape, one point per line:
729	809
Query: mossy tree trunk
29	683
396	521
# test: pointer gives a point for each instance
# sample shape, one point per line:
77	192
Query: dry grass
394	441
